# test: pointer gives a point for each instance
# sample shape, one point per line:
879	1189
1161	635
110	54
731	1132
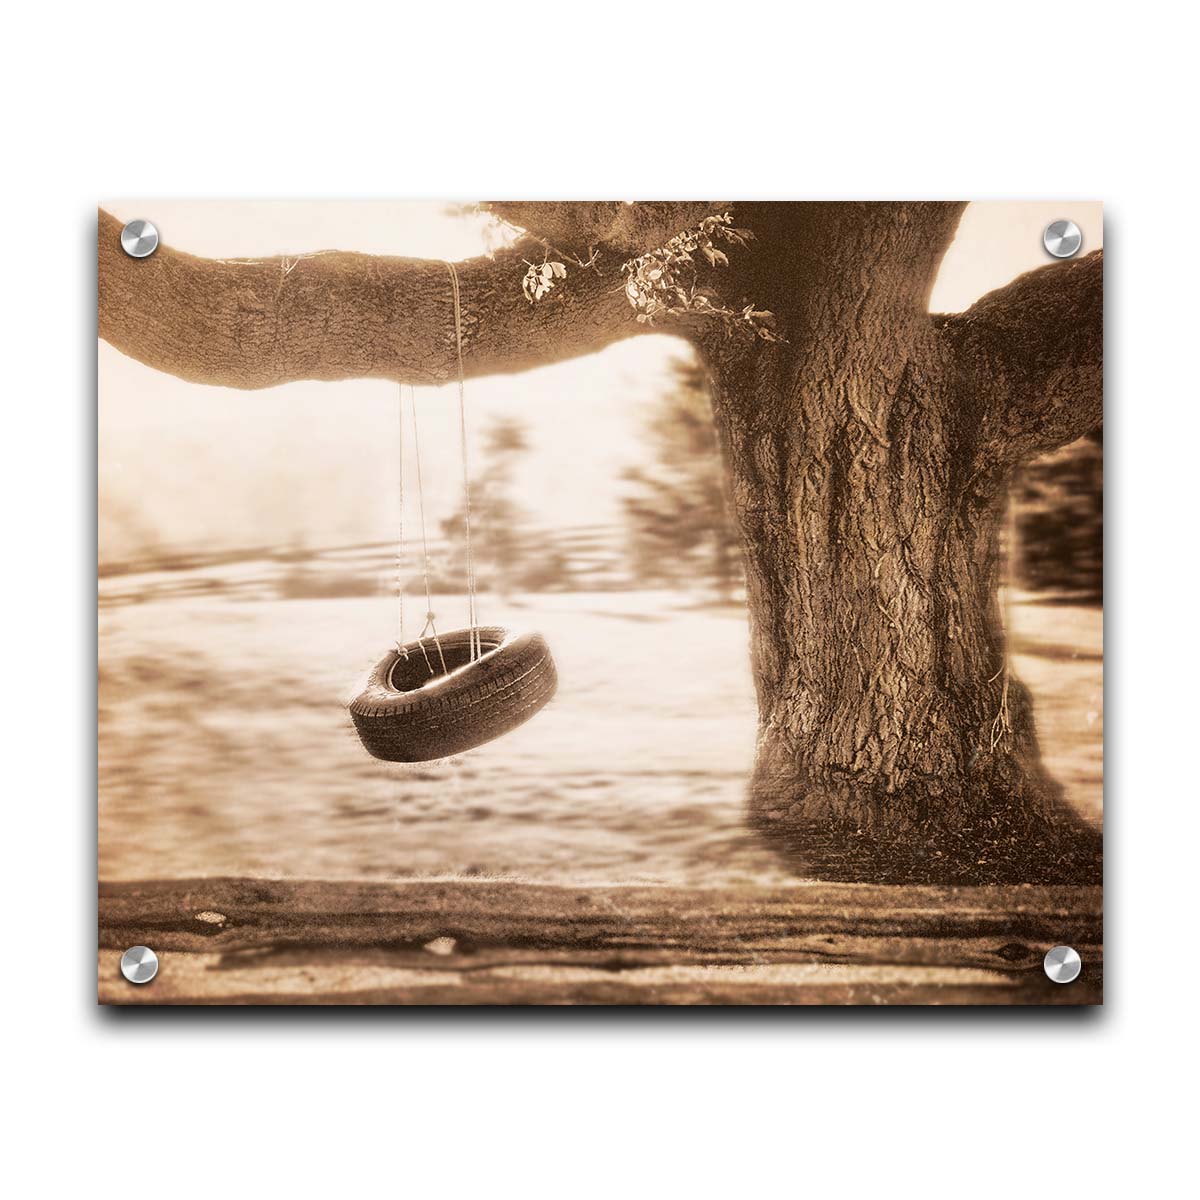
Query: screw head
1062	964
139	239
1062	239
139	964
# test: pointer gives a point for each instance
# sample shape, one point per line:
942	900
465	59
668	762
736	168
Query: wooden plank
495	942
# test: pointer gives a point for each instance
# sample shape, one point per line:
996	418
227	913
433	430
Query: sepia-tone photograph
600	603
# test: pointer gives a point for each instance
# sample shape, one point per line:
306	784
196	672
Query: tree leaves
666	282
539	279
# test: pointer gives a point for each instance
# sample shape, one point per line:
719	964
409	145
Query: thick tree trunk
894	742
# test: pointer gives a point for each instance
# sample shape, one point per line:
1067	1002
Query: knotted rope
430	627
476	649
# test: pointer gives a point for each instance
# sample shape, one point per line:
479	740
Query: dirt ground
225	747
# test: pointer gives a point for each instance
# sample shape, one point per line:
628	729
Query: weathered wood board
461	942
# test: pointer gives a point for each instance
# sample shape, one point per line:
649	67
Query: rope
429	626
476	648
401	644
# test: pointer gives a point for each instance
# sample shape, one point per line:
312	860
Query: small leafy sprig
540	277
666	282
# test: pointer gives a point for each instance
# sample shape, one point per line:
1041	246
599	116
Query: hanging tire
412	710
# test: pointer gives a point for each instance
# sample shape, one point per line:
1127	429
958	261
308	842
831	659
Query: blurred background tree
677	512
1060	521
510	553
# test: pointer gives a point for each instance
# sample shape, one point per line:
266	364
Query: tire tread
480	701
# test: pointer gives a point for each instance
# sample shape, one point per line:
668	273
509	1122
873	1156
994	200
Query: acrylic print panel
769	671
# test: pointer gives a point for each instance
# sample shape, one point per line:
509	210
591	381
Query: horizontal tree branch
1032	356
333	315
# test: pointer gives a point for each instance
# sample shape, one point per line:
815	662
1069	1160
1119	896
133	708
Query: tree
869	447
1060	521
508	553
679	520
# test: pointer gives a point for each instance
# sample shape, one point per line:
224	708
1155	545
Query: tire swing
447	693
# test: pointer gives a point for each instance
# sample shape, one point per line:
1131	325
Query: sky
186	466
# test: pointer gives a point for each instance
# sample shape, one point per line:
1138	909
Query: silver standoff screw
139	239
1062	964
1062	239
139	964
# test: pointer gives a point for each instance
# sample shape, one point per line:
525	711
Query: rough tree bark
870	458
869	454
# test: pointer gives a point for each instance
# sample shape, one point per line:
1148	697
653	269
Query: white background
663	100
